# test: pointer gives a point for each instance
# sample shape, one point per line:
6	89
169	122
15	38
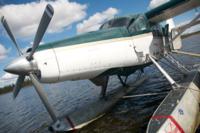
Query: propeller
6	26
43	97
18	85
26	66
46	18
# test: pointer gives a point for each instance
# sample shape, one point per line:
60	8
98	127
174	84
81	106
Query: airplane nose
10	68
21	66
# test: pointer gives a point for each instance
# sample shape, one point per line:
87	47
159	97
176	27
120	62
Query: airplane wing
170	9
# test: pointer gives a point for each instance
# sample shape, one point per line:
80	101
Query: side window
116	22
132	28
139	24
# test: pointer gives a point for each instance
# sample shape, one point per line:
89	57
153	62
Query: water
26	114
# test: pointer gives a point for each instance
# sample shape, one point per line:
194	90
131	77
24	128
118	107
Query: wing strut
183	28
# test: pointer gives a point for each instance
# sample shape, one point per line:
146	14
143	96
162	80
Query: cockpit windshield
117	22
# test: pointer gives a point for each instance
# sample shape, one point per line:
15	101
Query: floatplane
121	46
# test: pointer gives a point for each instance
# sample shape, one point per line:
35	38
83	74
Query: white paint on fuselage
88	60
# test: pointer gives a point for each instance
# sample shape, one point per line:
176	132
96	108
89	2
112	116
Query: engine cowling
48	66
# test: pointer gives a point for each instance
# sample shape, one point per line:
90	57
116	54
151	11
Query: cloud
95	21
7	79
3	52
24	18
156	3
8	76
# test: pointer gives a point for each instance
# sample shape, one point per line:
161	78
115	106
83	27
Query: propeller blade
18	85
46	18
43	97
6	26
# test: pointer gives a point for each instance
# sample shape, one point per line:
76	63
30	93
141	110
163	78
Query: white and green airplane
121	46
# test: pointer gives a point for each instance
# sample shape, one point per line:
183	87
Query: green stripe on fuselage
99	35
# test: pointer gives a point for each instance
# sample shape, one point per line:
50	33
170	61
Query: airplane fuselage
120	46
89	60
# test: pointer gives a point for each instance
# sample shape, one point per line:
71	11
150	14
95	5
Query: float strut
167	76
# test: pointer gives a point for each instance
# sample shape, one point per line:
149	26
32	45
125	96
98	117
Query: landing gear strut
103	82
104	88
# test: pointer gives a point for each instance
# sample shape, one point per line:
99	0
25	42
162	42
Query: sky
71	17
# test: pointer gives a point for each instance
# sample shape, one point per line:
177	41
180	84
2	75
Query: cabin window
117	22
134	24
140	24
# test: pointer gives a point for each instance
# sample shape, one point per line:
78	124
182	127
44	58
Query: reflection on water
27	114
